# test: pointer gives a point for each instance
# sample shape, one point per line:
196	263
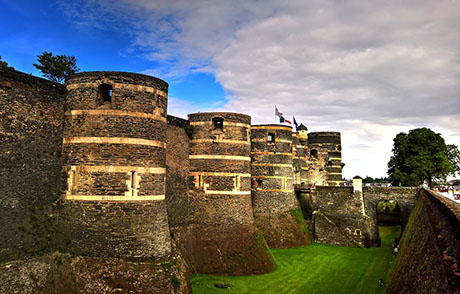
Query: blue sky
369	69
32	27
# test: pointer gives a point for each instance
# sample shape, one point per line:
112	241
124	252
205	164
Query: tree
422	155
56	68
4	64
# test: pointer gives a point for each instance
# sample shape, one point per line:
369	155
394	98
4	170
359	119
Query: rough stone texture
273	197
131	229
421	264
231	250
134	230
31	124
177	169
283	229
339	218
61	273
222	238
131	92
405	197
328	145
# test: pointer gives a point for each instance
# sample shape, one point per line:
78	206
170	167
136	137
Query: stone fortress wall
114	169
99	169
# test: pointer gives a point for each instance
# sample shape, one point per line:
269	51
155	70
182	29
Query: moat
317	269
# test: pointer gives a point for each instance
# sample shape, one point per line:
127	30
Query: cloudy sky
369	69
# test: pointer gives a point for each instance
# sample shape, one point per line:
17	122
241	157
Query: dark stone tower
274	202
327	147
114	166
224	239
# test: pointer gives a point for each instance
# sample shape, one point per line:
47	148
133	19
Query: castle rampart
114	152
273	199
31	126
222	237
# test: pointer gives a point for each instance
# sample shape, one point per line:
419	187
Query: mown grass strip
320	269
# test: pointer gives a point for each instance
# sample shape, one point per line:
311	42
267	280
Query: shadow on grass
316	268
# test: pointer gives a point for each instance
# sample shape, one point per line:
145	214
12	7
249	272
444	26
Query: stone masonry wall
429	256
114	167
31	124
338	217
273	200
222	238
177	169
331	142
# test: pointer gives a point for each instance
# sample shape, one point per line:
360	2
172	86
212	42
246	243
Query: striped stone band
116	169
271	153
226	123
220	141
115	112
273	190
276	140
271	128
113	197
215	192
272	164
114	140
119	86
226	157
218	174
272	177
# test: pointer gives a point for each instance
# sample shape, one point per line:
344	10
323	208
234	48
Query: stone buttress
275	206
224	239
114	167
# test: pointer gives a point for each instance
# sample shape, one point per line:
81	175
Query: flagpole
275	113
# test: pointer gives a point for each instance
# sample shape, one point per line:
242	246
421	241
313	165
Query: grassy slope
314	269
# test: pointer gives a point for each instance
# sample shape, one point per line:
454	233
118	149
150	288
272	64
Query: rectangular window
271	137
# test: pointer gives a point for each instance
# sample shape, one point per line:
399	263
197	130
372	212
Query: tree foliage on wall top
56	68
422	155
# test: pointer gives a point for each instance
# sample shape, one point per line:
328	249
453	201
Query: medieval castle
97	168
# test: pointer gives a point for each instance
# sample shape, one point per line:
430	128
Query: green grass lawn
314	269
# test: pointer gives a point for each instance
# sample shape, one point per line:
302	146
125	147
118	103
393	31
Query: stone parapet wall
130	92
429	253
31	130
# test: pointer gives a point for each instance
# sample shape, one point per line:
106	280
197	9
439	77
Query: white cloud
369	69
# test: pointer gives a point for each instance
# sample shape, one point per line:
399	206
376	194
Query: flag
295	123
277	113
282	120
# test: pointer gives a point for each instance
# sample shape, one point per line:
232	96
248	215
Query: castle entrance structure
114	166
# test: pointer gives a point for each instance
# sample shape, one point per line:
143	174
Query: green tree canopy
56	68
422	155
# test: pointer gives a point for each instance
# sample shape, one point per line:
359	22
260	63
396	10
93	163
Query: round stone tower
114	166
327	147
220	197
274	202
